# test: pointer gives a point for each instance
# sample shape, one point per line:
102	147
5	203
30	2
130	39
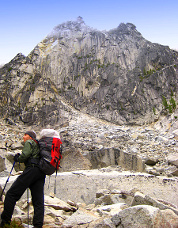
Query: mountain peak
80	19
66	28
126	29
117	76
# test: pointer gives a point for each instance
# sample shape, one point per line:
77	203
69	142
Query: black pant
32	178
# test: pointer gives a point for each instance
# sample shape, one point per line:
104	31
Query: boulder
2	145
170	217
80	217
109	199
111	210
143	216
141	199
105	223
131	161
17	146
175	132
173	159
58	204
74	160
151	161
175	173
86	183
18	166
102	192
113	156
103	157
2	164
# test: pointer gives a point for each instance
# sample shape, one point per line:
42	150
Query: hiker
32	178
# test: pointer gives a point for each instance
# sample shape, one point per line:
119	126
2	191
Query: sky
23	24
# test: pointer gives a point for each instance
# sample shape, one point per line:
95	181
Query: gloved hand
16	157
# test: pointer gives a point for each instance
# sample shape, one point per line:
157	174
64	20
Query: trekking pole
7	181
55	186
28	205
60	150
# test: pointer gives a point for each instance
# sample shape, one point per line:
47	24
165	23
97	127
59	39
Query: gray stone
131	162
74	160
105	223
102	192
86	183
16	146
109	199
2	164
141	199
112	209
139	216
171	219
80	217
57	204
173	159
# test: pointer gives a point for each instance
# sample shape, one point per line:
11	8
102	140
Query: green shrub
76	76
18	104
144	71
107	107
141	78
70	87
173	103
154	110
172	94
170	108
9	69
165	104
14	224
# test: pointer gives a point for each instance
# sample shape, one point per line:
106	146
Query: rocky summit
112	96
115	75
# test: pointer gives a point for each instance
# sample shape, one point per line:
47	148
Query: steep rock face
116	75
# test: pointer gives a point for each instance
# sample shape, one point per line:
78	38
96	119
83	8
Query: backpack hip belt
33	162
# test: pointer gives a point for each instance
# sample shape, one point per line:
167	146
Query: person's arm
26	152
